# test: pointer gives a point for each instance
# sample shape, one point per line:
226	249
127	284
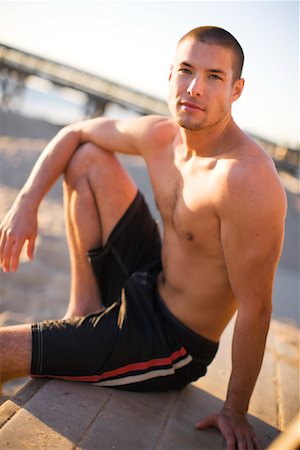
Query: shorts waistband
199	347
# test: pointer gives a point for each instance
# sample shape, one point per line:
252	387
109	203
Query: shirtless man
223	210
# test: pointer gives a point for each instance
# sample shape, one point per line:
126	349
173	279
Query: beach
40	288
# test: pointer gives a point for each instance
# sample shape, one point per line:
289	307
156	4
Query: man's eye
183	70
214	77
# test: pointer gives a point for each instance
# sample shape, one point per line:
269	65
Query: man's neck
208	141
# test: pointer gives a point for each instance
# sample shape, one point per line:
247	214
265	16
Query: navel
189	236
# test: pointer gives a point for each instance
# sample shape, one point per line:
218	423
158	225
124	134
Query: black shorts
135	343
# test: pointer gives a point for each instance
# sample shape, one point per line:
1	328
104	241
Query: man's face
202	89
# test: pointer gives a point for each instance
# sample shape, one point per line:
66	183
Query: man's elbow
264	313
260	312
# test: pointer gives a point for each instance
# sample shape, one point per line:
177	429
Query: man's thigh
126	345
112	187
134	245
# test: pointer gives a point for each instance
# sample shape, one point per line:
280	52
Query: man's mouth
191	106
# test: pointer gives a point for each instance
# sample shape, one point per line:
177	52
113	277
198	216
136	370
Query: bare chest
185	199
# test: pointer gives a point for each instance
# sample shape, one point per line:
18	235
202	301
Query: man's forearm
20	225
248	347
49	166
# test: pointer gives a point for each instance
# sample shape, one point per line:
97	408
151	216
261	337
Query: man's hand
18	227
235	429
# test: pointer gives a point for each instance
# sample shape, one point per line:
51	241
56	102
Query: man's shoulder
249	173
155	132
246	158
159	124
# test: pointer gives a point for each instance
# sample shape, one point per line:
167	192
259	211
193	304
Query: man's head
219	36
205	78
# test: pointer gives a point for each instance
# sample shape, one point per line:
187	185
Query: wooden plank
11	407
180	433
58	415
129	420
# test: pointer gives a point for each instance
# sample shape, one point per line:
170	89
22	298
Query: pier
18	65
100	91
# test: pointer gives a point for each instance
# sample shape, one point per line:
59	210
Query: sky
133	43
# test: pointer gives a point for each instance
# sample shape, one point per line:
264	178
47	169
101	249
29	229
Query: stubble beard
197	125
190	125
189	122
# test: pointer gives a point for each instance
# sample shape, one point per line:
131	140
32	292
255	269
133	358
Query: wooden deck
48	414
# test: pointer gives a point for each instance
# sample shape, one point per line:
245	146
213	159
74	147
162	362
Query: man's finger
15	255
30	247
6	252
209	421
2	245
242	443
257	443
230	440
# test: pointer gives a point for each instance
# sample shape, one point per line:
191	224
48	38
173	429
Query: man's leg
15	360
97	193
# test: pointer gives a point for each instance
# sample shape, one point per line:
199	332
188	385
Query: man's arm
252	212
20	224
108	134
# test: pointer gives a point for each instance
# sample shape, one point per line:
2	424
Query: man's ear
237	89
170	72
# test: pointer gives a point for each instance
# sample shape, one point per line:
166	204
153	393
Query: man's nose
195	88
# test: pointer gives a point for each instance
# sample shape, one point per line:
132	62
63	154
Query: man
144	315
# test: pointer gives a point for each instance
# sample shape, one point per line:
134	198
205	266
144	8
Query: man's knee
102	171
87	157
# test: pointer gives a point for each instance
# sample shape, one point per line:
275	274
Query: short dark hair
219	36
